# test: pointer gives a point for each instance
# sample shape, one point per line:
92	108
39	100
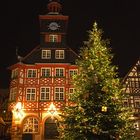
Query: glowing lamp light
52	109
104	109
18	106
18	113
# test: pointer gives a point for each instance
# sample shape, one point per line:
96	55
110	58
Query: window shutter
59	38
46	38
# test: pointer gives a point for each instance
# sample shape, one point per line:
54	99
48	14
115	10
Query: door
50	129
27	137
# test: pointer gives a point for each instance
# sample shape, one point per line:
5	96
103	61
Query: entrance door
27	137
50	129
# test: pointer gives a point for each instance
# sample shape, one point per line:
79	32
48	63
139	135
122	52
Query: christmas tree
97	112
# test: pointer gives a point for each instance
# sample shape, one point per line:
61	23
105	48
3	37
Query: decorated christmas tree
97	112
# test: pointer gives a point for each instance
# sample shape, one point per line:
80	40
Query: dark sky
119	19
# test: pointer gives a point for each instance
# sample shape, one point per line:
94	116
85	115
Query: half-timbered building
41	82
131	84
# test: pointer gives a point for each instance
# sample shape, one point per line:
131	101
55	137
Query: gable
132	80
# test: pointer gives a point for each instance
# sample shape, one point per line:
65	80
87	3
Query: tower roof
35	56
54	7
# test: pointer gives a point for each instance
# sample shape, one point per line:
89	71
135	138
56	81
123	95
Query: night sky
119	19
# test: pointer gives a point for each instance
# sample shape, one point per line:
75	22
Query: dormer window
46	54
59	54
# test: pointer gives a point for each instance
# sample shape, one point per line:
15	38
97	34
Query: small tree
98	112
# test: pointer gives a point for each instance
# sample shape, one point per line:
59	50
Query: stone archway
50	129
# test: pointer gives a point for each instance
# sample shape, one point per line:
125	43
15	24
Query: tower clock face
53	26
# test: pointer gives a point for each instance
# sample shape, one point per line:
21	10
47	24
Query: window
59	72
73	72
31	73
45	72
71	91
53	38
14	73
13	93
59	54
59	93
136	125
46	54
30	125
137	101
45	93
125	104
134	84
137	104
30	94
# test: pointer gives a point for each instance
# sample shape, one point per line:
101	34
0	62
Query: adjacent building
41	82
131	84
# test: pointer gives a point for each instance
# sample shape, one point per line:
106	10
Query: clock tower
53	26
41	83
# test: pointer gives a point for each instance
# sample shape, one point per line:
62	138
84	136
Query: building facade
41	82
131	84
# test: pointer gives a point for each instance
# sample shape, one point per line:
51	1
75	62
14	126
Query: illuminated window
14	73
45	93
30	94
31	73
136	125
59	72
30	125
45	72
59	54
137	101
59	93
13	92
53	38
46	54
73	72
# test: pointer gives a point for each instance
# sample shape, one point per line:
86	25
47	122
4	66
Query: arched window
30	125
